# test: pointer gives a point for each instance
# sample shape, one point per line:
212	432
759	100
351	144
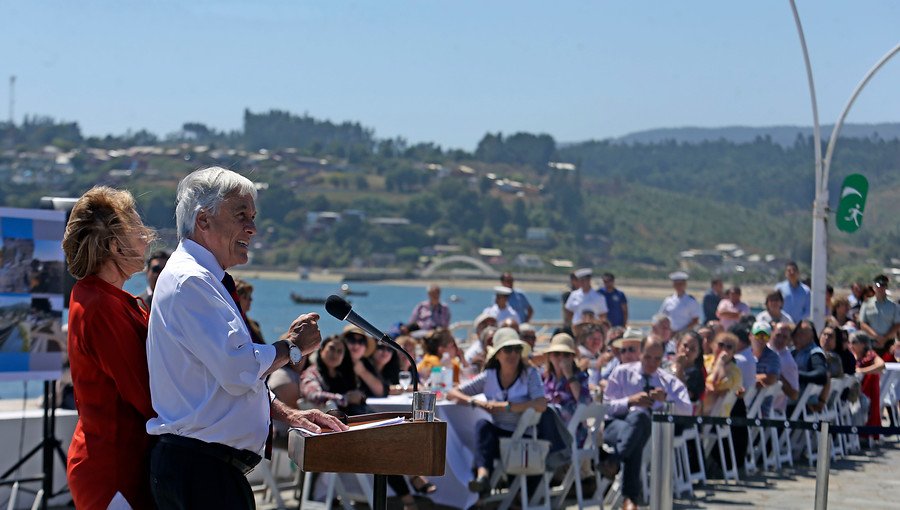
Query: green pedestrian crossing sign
850	209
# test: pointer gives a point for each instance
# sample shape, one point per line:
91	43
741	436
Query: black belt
243	460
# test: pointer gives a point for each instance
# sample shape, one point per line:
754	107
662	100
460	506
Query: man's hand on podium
312	420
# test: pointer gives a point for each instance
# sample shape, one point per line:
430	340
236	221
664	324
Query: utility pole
12	100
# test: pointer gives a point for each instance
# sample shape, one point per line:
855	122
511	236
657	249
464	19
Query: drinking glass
423	405
405	379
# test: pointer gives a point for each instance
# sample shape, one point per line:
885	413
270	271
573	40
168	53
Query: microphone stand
379	482
386	340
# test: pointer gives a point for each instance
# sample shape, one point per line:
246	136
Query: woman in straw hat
565	385
510	386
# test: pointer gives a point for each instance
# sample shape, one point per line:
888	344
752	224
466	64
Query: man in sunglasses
633	391
155	264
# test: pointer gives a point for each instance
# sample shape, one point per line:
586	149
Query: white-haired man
207	377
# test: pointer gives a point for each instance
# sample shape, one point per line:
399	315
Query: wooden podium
408	448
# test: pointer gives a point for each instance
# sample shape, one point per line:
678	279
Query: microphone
340	309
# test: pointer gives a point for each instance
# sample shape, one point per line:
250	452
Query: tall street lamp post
820	203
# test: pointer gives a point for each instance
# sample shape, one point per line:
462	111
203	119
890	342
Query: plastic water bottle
436	381
446	373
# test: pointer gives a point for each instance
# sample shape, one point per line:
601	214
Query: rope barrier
767	423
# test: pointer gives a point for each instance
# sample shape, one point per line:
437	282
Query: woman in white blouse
510	386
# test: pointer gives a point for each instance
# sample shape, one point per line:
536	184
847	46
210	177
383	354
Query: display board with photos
32	275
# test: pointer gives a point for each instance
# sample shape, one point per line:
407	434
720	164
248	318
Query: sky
447	72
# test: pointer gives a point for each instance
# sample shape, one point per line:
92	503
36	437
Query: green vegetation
628	207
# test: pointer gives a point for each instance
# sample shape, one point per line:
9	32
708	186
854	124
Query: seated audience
510	386
811	364
724	376
840	311
870	365
565	384
436	345
688	365
476	352
790	378
632	392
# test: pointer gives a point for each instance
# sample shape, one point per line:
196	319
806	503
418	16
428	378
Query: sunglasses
356	340
383	348
156	269
628	349
727	347
511	348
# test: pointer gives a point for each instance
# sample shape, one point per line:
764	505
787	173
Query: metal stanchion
663	439
823	466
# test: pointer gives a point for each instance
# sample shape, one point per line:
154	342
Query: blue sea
383	306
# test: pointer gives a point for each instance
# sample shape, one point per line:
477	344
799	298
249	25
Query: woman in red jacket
104	244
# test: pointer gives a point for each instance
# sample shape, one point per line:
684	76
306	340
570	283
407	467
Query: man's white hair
206	189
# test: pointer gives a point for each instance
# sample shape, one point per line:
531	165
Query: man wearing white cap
681	308
584	299
501	310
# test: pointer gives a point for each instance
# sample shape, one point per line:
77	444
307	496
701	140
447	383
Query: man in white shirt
207	377
584	299
501	310
681	308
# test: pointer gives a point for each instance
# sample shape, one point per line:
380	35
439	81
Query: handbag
523	456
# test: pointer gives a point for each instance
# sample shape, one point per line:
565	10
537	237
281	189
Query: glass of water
423	405
405	379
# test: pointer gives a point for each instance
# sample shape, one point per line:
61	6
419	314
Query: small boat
306	300
347	291
455	299
550	298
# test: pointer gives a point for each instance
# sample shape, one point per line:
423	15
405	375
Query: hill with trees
333	195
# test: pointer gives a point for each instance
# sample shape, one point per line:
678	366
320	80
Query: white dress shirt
680	310
747	363
791	374
206	374
590	301
629	379
502	314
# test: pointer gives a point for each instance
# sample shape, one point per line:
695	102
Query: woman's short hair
243	287
101	216
206	189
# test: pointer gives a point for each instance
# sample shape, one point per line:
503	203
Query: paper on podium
361	426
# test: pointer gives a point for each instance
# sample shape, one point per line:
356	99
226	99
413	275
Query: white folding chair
722	438
684	476
757	447
337	486
830	414
845	416
890	381
802	440
527	425
591	418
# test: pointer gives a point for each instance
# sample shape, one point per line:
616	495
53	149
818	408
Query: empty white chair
591	418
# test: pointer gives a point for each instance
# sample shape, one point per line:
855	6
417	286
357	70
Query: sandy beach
753	295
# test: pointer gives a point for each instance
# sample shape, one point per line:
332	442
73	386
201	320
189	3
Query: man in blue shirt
517	300
711	299
796	293
616	302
